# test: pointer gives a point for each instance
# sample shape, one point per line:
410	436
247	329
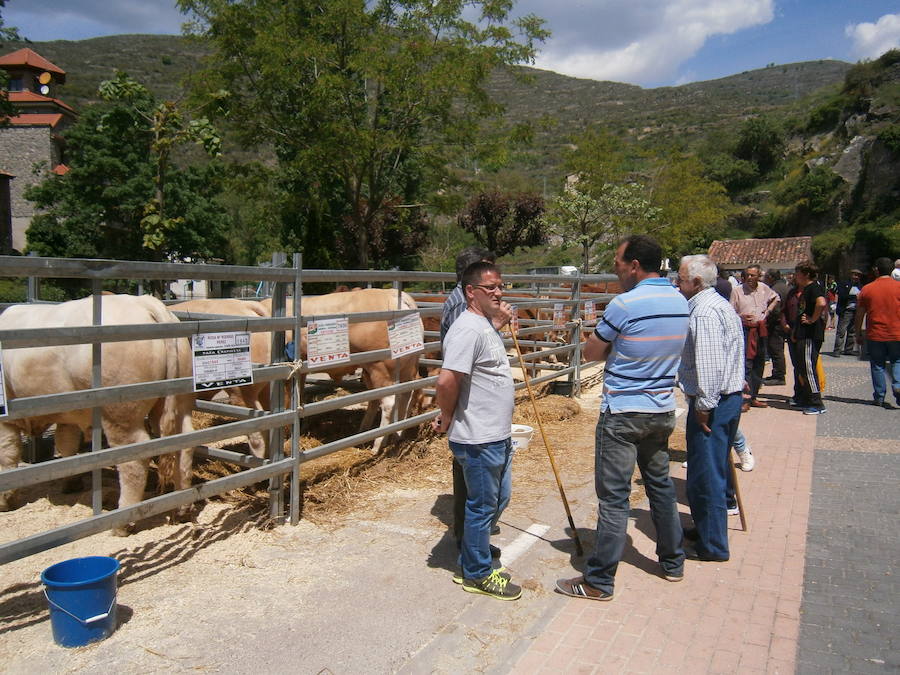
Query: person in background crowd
831	298
475	393
846	311
895	274
454	305
723	285
640	336
754	301
879	306
777	334
712	377
807	338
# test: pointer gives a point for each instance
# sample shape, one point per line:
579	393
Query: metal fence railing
542	337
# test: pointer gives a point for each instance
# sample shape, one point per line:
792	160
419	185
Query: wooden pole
562	493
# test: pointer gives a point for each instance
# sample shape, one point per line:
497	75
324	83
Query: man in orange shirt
879	304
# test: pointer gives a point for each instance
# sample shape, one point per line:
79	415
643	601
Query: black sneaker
495	585
772	381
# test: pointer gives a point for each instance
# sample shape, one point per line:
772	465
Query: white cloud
871	40
640	41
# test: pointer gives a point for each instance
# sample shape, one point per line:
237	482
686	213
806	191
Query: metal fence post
575	376
297	393
276	437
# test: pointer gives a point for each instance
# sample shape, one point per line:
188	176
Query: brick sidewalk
743	615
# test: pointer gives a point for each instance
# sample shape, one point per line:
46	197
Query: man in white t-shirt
475	393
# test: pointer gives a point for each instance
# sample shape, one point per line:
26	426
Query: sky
650	43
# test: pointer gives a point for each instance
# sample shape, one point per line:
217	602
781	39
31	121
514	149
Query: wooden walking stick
562	493
737	493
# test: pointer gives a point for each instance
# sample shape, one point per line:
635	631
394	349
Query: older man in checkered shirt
712	377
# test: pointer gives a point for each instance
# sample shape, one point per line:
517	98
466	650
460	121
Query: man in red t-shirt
879	304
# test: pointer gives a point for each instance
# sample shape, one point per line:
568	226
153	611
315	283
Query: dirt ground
185	575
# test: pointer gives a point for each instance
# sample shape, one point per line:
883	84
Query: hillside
558	104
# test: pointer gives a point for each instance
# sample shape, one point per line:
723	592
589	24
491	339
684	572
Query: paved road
850	614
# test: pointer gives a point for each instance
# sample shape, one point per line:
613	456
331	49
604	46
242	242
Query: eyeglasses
490	288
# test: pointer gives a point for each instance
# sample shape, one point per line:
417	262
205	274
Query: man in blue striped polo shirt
640	337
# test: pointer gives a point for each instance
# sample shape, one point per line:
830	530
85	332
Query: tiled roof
27	57
60	169
4	174
786	251
36	120
31	97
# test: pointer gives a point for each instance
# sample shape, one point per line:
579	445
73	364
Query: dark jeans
459	502
753	368
807	389
707	458
775	348
621	440
879	354
844	336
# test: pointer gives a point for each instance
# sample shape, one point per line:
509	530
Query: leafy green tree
597	159
596	223
733	173
98	209
502	222
761	141
169	129
360	100
691	207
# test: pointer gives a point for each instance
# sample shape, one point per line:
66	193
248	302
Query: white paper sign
221	360
405	335
2	388
328	341
590	312
559	318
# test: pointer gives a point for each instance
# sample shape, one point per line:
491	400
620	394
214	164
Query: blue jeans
707	457
486	468
879	353
621	440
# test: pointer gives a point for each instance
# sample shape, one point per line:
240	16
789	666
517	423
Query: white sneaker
734	511
748	461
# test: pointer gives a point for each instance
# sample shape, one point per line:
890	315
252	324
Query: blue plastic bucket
82	597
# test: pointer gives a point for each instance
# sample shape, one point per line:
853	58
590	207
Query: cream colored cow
364	337
256	395
38	371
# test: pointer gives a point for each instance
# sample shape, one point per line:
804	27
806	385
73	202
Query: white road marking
523	542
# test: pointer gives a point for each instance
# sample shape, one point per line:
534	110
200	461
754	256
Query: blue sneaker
814	411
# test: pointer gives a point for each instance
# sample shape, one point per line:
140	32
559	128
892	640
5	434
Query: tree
359	99
99	208
597	223
502	222
761	141
168	129
691	207
598	159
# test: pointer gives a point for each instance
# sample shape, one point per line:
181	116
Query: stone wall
21	150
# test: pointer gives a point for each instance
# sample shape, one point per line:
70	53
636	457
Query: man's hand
504	315
703	419
438	424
